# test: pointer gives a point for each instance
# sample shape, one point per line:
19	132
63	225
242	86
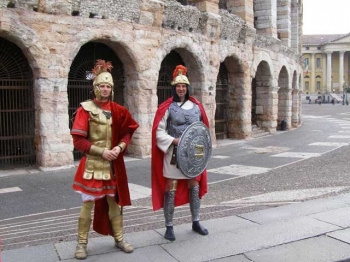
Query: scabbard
173	156
112	169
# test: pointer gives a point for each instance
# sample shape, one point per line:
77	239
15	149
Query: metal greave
195	202
169	206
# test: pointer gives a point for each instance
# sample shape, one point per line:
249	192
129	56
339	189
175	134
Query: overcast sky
326	17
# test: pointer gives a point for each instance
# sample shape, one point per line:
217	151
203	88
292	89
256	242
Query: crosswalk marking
220	157
328	144
297	155
339	136
239	170
9	190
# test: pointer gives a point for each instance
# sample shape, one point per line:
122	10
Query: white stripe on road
239	170
9	190
220	157
339	136
297	155
328	144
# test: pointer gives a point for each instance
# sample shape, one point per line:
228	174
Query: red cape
158	180
123	127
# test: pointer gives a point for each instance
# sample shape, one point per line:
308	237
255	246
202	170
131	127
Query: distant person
102	129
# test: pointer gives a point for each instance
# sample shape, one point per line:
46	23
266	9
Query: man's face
181	90
105	90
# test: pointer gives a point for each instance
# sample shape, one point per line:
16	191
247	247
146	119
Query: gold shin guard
83	231
117	227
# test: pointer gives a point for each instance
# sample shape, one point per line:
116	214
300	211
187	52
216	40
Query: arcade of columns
258	42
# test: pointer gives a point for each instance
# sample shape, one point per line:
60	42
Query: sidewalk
312	231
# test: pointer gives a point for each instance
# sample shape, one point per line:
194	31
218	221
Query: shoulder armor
90	106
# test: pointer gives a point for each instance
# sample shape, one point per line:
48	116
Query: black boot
195	204
169	233
197	227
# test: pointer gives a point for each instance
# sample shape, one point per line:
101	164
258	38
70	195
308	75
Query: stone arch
235	97
129	63
261	56
263	113
17	109
15	35
284	98
192	56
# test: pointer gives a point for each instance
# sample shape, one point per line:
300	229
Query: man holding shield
170	186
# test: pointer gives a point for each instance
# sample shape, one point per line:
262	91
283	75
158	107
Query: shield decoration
194	150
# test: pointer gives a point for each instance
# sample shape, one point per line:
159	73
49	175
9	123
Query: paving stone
319	249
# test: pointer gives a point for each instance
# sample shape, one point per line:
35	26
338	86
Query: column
324	73
295	21
312	75
284	21
329	72
265	14
341	71
210	6
243	9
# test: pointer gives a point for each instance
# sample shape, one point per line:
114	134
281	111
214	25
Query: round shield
194	150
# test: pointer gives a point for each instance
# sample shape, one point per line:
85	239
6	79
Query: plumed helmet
104	77
100	71
101	75
179	76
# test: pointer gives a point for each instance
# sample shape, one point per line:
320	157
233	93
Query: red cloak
158	180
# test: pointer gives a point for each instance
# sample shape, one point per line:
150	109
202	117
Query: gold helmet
101	75
179	76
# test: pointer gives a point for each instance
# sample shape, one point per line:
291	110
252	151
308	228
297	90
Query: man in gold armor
102	130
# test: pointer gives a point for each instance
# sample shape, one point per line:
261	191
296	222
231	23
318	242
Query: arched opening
79	88
284	96
17	113
261	105
166	75
221	100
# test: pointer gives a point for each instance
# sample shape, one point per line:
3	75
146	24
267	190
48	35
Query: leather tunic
100	135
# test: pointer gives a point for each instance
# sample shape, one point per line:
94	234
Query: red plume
179	69
101	66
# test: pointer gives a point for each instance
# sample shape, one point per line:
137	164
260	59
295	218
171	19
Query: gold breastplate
100	134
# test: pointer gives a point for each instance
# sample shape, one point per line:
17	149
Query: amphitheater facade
243	59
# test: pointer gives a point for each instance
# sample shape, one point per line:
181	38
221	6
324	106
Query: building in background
326	66
243	59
